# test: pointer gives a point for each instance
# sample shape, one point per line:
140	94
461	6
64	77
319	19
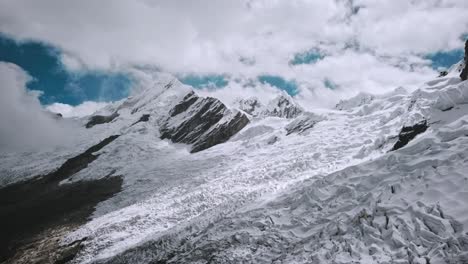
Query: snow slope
331	192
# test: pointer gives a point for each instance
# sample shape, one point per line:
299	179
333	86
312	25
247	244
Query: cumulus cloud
24	124
212	36
83	109
367	45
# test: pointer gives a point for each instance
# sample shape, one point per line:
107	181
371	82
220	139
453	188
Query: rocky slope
203	122
194	120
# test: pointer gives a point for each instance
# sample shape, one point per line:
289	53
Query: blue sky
221	81
42	62
306	57
445	59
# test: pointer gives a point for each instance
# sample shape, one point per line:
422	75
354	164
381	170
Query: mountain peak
283	106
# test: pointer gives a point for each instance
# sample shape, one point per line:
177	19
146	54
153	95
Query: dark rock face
198	121
409	133
464	73
143	118
443	73
100	119
31	211
221	132
188	100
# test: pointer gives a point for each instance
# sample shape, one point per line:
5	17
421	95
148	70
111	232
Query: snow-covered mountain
282	106
181	178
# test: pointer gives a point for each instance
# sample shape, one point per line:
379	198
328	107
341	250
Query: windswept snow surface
333	193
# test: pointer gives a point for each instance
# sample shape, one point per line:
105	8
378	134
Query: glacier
273	182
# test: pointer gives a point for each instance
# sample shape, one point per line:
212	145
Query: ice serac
202	122
303	123
283	106
464	73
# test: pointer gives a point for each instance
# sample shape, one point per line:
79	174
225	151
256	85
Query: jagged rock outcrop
100	119
409	133
221	132
464	73
283	106
202	122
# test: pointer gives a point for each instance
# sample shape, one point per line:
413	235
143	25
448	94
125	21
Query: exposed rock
202	122
100	119
46	247
188	125
302	123
221	132
77	163
464	73
409	133
443	73
188	100
143	118
283	106
31	211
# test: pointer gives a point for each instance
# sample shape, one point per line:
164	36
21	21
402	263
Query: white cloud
83	109
206	36
24	124
355	72
401	26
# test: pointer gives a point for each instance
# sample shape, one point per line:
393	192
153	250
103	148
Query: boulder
409	133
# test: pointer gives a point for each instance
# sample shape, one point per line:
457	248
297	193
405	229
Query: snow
335	194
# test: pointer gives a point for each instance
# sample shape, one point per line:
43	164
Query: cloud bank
364	45
24	124
84	109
